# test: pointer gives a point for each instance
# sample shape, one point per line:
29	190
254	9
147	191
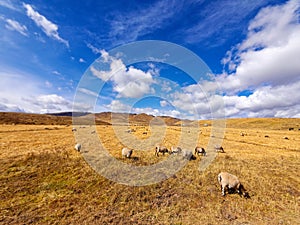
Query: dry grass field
43	180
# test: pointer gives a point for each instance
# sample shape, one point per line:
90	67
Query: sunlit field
44	180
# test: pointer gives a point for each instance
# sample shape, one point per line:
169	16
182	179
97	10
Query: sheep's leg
223	190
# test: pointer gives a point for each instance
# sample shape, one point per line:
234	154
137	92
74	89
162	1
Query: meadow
43	180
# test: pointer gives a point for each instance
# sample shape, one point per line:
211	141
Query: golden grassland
43	180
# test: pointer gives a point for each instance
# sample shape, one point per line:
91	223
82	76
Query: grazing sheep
78	147
130	131
126	152
199	150
187	154
74	129
219	148
161	149
175	150
231	183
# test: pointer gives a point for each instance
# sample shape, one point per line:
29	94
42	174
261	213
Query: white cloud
81	60
127	82
15	25
196	102
56	72
50	103
7	107
266	63
93	48
49	28
8	4
88	92
118	106
166	86
272	26
266	101
163	103
157	112
23	85
133	83
48	84
28	94
269	54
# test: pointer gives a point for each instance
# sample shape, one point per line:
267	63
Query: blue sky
252	49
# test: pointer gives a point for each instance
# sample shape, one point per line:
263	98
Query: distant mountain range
108	118
103	118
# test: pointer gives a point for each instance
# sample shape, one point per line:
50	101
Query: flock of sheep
187	154
227	181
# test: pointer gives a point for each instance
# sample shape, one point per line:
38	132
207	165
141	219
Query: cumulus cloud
48	27
282	100
269	54
15	25
266	65
28	94
7	107
118	106
127	82
50	103
157	112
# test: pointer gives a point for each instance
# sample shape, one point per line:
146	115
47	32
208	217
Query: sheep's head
242	191
246	195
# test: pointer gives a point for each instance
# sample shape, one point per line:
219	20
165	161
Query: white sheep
199	150
78	147
187	154
231	183
175	150
126	152
219	148
162	149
